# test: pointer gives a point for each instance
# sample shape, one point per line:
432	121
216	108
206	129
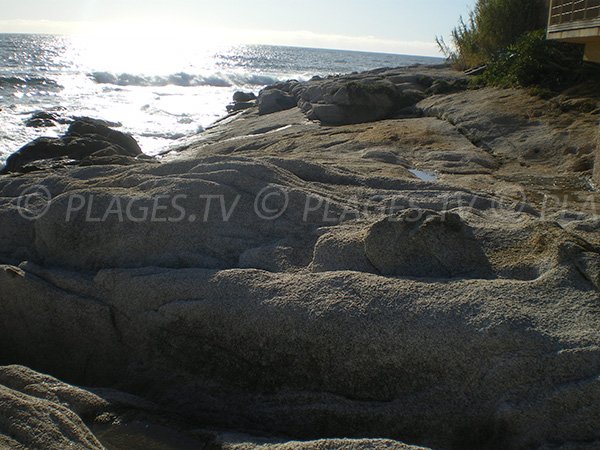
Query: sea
162	91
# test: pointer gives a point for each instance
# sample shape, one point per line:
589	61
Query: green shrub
491	27
535	61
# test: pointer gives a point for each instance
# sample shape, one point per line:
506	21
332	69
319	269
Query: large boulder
274	100
209	218
242	101
87	141
369	96
426	244
95	129
342	102
463	364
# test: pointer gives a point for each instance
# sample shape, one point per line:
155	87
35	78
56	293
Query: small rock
106	123
239	106
44	119
243	97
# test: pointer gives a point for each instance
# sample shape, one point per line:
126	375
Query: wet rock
47	119
85	139
240	106
99	130
42	119
243	97
99	122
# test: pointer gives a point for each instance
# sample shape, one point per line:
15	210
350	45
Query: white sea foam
185	79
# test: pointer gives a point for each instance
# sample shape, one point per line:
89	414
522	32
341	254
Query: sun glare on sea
147	47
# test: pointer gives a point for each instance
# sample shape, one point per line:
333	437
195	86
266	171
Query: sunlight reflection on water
159	88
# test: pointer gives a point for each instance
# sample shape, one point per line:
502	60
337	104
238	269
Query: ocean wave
169	136
184	79
23	80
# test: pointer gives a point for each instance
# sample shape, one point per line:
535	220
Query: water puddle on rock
423	176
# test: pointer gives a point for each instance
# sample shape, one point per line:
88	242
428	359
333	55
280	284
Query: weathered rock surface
328	291
247	443
537	132
38	412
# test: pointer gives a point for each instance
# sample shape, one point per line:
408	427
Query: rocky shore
384	260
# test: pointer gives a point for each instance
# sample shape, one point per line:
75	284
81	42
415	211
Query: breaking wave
17	80
184	79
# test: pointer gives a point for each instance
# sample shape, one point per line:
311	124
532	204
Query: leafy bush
491	27
535	61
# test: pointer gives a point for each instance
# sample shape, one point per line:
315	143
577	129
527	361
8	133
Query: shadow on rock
426	244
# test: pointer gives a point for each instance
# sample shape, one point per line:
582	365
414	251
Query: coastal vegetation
535	61
509	38
491	27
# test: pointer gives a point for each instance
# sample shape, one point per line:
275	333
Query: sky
390	26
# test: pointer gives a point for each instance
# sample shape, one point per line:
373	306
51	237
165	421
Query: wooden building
577	21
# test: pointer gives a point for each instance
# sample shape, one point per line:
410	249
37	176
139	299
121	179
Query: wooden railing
565	14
